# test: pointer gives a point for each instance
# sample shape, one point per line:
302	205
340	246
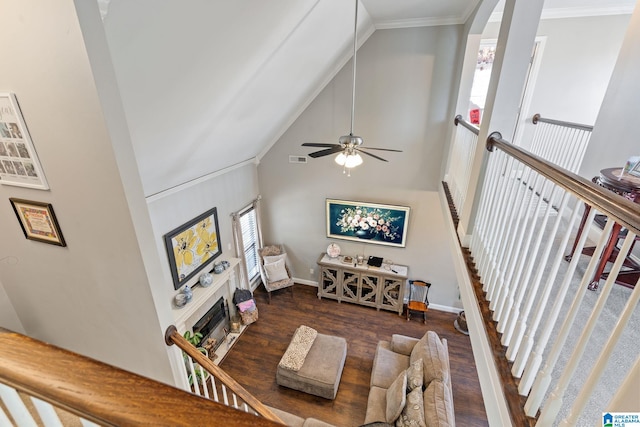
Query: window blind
249	229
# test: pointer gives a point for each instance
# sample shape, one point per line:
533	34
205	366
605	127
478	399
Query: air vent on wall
297	159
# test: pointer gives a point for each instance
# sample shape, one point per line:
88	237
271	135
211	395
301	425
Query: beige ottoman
320	374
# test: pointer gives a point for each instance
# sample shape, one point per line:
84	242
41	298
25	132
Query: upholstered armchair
273	269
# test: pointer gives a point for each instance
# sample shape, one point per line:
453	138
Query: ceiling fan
349	146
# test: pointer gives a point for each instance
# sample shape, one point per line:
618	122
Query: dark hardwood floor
253	360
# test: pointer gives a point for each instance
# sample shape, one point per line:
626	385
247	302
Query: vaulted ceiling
209	84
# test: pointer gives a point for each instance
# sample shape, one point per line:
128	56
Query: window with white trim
248	224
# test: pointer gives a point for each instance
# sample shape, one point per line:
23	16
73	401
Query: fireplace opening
214	323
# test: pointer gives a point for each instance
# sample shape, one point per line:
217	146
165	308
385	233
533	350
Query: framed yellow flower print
192	246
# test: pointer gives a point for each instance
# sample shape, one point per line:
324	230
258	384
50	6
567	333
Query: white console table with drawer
380	287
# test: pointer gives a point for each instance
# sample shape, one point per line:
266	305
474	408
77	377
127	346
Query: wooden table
628	187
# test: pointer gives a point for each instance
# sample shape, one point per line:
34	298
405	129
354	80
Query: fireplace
214	322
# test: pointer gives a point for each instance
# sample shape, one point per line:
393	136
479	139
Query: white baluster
596	371
532	369
194	377
552	407
519	253
514	304
16	407
224	395
4	419
235	401
47	414
521	324
214	387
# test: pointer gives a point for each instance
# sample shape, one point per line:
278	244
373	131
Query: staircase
41	384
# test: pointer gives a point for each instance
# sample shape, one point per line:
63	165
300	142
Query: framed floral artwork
367	222
19	164
38	221
192	246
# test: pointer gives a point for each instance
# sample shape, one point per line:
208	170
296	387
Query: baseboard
445	308
305	282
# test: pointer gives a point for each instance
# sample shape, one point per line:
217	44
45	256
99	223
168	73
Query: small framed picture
38	221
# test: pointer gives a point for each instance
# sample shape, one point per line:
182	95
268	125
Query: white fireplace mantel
203	298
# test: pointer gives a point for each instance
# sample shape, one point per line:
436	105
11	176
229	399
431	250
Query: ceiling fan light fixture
353	160
341	159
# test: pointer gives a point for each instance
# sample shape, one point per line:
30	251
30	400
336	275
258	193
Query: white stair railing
462	152
208	380
26	416
539	297
560	142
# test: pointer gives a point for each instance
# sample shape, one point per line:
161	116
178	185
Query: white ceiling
215	83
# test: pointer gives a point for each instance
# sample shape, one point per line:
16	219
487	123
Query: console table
362	284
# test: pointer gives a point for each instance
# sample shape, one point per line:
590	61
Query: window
249	227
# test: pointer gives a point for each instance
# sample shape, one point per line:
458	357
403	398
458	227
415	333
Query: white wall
576	64
403	101
8	316
227	192
615	125
93	296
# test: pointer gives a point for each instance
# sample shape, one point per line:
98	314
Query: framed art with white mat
19	164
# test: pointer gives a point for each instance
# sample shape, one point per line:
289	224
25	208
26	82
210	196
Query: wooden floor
253	359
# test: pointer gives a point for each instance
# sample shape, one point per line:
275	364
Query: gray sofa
396	369
402	364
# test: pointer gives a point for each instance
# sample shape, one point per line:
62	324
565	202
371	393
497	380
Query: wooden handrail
105	394
620	209
538	118
172	336
458	120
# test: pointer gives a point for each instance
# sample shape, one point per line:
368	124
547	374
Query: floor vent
297	159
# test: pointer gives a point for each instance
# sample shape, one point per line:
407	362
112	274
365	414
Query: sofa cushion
438	405
403	344
289	419
396	397
434	357
377	424
376	405
415	378
413	413
387	365
313	422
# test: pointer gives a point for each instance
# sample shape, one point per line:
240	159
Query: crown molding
420	22
576	12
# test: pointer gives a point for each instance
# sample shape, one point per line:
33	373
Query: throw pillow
434	357
276	271
438	405
413	413
396	397
273	258
415	376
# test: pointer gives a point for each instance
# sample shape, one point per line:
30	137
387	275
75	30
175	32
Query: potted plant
195	339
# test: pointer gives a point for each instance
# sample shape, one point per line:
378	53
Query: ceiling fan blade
373	155
317	144
326	152
381	149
